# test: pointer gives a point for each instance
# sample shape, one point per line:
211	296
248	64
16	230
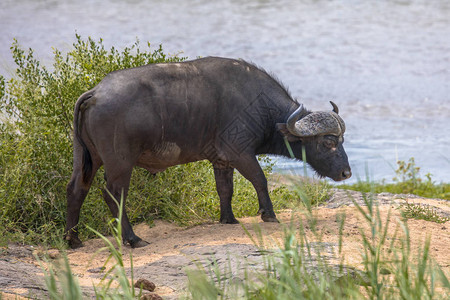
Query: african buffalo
223	110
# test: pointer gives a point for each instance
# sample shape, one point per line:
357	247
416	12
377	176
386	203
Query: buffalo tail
80	106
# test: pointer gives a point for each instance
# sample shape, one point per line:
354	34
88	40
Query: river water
385	63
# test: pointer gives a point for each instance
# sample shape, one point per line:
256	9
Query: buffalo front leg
251	170
118	182
224	186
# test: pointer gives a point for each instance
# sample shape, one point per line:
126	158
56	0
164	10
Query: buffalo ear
281	127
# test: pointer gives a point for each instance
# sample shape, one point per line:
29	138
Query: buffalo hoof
272	219
139	243
74	242
268	217
229	221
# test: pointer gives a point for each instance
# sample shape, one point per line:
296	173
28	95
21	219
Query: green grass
62	284
421	212
406	181
388	270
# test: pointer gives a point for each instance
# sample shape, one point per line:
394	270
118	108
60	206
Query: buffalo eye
330	142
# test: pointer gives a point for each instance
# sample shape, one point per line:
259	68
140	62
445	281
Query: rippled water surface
385	63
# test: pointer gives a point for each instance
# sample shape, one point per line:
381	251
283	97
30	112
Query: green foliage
35	133
116	273
310	192
406	181
60	282
187	195
36	152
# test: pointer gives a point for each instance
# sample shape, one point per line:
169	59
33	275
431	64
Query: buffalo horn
335	108
316	123
290	124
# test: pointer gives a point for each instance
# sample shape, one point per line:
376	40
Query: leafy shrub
36	151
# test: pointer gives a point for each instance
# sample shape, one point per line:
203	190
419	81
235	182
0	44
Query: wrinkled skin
157	116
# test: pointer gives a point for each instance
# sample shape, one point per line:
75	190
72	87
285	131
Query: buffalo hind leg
224	185
118	181
77	191
251	170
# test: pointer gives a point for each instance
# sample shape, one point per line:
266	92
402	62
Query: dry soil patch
172	249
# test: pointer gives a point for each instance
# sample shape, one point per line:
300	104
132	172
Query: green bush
36	151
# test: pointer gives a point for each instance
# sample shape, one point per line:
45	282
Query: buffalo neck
277	146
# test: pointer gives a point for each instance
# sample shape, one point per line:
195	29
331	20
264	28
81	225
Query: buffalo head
322	135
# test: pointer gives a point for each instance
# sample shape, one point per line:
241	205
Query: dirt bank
172	248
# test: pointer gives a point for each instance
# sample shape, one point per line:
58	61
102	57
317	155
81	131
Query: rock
53	253
96	270
151	296
385	271
43	253
145	285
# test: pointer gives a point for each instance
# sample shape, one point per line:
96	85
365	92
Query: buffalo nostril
347	174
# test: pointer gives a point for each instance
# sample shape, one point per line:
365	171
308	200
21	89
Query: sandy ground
173	249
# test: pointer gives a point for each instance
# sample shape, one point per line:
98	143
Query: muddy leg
224	185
